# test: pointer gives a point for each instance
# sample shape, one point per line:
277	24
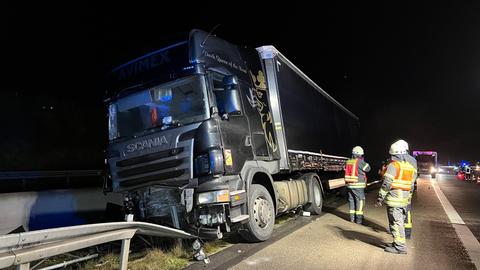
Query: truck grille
154	177
149	157
170	167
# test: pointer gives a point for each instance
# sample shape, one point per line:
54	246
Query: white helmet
399	147
357	150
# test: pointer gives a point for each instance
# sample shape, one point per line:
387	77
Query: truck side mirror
231	97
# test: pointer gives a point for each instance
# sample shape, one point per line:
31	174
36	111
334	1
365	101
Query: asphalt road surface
331	242
465	198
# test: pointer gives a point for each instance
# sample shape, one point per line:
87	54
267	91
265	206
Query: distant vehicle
210	137
427	162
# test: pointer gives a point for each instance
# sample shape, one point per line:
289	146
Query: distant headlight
433	170
213	197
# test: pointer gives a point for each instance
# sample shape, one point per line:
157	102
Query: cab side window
218	89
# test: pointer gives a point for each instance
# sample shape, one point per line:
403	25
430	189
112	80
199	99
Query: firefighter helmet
399	147
357	150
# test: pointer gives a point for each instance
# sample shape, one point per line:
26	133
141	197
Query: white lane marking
469	241
447	206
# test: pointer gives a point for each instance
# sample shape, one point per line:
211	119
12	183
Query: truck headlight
217	196
211	163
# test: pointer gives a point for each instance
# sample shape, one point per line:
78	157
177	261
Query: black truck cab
211	137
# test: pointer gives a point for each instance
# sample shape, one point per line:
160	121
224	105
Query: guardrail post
176	223
124	254
23	266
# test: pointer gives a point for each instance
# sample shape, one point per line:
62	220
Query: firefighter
396	192
408	218
356	180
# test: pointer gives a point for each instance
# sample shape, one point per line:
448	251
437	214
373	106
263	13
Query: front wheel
262	215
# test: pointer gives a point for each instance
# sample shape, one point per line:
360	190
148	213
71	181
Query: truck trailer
211	137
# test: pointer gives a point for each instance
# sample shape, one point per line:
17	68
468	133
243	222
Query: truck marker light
214	197
223	196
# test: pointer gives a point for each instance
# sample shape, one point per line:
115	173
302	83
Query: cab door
235	130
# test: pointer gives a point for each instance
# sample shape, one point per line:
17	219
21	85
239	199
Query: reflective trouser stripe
397	238
360	209
352	211
400	239
408	225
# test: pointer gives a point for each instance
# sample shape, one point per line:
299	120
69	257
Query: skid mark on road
469	241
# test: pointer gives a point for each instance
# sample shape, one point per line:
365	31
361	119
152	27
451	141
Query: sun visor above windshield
216	54
163	65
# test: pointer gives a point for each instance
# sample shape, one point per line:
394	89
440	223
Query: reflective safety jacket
355	176
398	182
404	176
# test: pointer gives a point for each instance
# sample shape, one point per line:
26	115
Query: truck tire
315	197
262	215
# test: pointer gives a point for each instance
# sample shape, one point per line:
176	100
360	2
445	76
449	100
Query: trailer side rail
304	160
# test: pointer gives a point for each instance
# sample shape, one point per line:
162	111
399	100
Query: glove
378	203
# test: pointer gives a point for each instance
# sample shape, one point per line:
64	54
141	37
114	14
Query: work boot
359	220
408	233
394	250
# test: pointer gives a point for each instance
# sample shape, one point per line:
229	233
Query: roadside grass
175	258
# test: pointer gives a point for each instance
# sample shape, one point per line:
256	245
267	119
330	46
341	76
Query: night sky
408	71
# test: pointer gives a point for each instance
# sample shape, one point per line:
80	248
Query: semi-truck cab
427	162
211	137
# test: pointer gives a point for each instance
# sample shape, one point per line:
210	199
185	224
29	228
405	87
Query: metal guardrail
22	248
21	181
49	174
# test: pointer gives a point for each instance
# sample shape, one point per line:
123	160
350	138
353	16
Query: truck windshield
425	159
180	102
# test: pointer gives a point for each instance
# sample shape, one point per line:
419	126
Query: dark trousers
396	219
356	201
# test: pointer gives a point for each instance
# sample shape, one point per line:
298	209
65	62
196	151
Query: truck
427	162
210	137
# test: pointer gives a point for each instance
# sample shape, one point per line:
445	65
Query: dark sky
408	71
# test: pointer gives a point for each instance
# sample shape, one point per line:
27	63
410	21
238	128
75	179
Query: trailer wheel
314	194
262	215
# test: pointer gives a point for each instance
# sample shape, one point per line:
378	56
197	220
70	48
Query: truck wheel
314	194
262	215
